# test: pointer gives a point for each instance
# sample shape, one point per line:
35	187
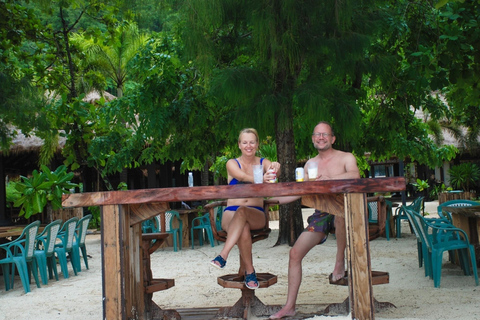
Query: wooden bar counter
123	211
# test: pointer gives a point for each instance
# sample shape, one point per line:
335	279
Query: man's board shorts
321	222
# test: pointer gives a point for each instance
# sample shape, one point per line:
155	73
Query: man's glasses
322	134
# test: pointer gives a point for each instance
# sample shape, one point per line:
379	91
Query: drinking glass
312	173
258	173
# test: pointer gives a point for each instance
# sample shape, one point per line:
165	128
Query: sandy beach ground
413	294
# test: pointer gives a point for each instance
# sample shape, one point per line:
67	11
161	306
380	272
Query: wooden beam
234	191
331	203
143	211
358	257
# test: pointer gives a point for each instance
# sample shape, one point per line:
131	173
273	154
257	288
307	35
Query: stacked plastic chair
65	247
45	251
19	254
400	214
79	242
438	236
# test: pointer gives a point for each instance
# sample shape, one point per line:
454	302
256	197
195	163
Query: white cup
312	173
257	173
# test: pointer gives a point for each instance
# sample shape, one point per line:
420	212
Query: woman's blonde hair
248	130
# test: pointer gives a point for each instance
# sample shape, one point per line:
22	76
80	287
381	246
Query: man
332	164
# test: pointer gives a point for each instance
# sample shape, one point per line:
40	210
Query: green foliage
464	176
269	151
421	185
12	193
95	221
42	188
219	167
437	189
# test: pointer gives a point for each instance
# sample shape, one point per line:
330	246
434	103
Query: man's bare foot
338	272
283	313
336	277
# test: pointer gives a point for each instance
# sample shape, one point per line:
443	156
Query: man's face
322	137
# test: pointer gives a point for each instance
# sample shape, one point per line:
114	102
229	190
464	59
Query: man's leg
302	246
341	235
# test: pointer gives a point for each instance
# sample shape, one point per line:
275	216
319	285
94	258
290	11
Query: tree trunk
291	220
204	174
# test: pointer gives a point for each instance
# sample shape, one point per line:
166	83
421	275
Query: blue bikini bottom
235	208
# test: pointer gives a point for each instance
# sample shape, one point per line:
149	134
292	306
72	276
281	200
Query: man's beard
324	148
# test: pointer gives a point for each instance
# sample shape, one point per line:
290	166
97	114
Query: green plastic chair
19	254
218	220
202	224
79	242
438	238
388	217
66	235
45	251
400	214
172	217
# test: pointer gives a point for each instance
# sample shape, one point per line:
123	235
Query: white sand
413	294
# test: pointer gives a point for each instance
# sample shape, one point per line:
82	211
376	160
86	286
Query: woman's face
248	143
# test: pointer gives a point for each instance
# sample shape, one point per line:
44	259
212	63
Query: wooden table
468	219
187	215
123	211
14	231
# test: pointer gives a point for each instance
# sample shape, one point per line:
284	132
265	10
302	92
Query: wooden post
122	272
358	257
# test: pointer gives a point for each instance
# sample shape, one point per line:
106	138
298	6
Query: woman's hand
270	176
275	166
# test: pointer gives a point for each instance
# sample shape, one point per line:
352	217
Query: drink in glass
312	173
258	173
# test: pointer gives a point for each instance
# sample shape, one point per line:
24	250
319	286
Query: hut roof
23	143
94	96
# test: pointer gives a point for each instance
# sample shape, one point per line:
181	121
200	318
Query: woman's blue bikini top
234	180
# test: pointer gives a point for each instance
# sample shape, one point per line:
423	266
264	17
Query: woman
242	215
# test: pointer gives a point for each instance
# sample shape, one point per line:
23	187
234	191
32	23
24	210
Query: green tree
289	63
111	55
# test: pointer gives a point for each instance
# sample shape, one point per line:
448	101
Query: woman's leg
238	225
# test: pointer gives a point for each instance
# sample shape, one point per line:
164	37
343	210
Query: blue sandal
252	277
218	262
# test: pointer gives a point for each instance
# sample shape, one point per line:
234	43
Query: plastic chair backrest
414	224
419	226
372	211
169	220
68	229
82	227
417	204
49	236
30	233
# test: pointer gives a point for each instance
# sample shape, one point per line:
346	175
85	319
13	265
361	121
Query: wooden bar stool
248	304
150	243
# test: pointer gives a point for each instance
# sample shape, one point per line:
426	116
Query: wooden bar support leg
150	243
122	272
358	257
